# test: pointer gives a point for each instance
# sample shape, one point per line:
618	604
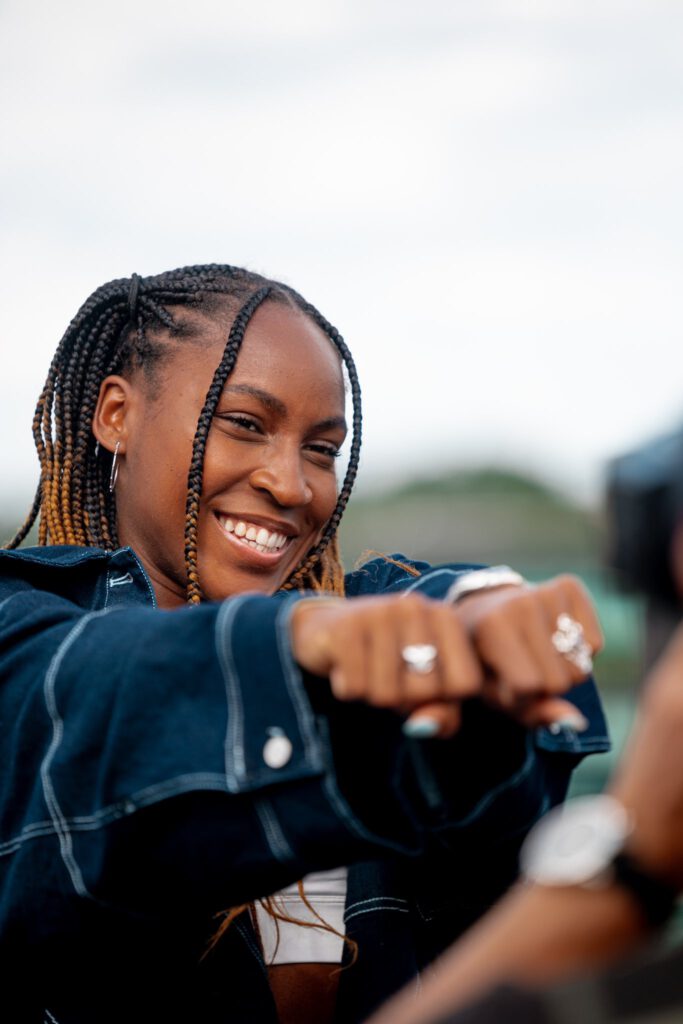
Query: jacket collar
91	576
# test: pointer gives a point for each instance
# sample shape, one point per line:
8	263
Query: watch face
575	843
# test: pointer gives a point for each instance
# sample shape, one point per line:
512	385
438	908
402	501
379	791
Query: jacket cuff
270	740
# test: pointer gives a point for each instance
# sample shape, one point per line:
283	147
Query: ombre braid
121	327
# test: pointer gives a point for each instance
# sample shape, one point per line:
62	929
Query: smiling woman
268	485
199	709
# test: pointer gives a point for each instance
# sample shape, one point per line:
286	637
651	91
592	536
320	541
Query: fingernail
577	723
420	728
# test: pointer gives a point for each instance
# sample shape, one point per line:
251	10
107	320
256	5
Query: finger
415	627
538	619
349	655
552	712
385	670
557	599
440	719
583	609
461	671
505	653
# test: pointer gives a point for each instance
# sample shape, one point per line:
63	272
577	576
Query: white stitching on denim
375	910
235	760
431	576
119	581
376	899
18	593
578	745
123	807
65	844
253	948
22	555
294	685
144	575
277	842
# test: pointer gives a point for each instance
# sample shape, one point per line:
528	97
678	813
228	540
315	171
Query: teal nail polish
420	728
577	723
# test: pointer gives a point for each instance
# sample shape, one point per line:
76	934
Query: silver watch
585	843
483	579
576	844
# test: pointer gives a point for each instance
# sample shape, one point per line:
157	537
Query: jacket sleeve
149	752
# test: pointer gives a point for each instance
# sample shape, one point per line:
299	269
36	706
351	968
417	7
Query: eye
243	423
329	451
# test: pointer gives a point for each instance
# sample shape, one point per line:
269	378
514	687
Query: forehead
284	350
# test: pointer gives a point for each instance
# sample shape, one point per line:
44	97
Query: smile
268	545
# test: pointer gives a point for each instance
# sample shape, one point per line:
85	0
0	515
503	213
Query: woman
169	762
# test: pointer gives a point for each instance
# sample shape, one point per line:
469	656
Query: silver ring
420	658
568	639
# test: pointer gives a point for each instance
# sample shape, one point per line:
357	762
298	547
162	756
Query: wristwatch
483	579
584	843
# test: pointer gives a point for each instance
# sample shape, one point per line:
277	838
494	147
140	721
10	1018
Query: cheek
325	500
160	485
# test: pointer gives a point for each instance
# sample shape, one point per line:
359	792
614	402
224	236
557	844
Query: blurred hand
496	644
357	644
511	628
649	780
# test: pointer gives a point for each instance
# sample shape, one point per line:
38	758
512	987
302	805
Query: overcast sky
485	198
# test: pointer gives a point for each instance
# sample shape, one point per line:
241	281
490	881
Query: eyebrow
277	406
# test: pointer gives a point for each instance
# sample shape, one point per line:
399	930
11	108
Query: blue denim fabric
136	800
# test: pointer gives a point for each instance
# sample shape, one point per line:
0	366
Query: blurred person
600	876
199	709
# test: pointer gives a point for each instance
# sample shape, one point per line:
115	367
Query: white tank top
326	891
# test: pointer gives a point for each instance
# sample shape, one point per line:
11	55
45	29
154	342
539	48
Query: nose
283	477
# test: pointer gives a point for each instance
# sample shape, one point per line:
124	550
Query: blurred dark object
645	510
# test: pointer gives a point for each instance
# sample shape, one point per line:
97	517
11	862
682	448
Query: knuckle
413	604
570	584
494	619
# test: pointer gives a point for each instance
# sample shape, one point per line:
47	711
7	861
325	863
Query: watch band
655	897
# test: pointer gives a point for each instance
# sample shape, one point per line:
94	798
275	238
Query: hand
649	780
357	644
512	628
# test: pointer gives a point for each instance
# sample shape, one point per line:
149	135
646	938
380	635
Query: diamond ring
568	639
420	658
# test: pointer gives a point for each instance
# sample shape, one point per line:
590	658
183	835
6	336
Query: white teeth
257	537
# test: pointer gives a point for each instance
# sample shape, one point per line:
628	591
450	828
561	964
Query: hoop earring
114	468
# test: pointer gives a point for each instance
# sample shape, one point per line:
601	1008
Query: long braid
194	482
300	575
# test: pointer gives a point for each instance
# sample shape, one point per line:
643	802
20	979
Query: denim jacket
161	766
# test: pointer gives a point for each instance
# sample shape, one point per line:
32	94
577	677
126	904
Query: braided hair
121	327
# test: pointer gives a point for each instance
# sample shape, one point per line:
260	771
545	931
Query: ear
111	419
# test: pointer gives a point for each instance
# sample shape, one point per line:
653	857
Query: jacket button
277	750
